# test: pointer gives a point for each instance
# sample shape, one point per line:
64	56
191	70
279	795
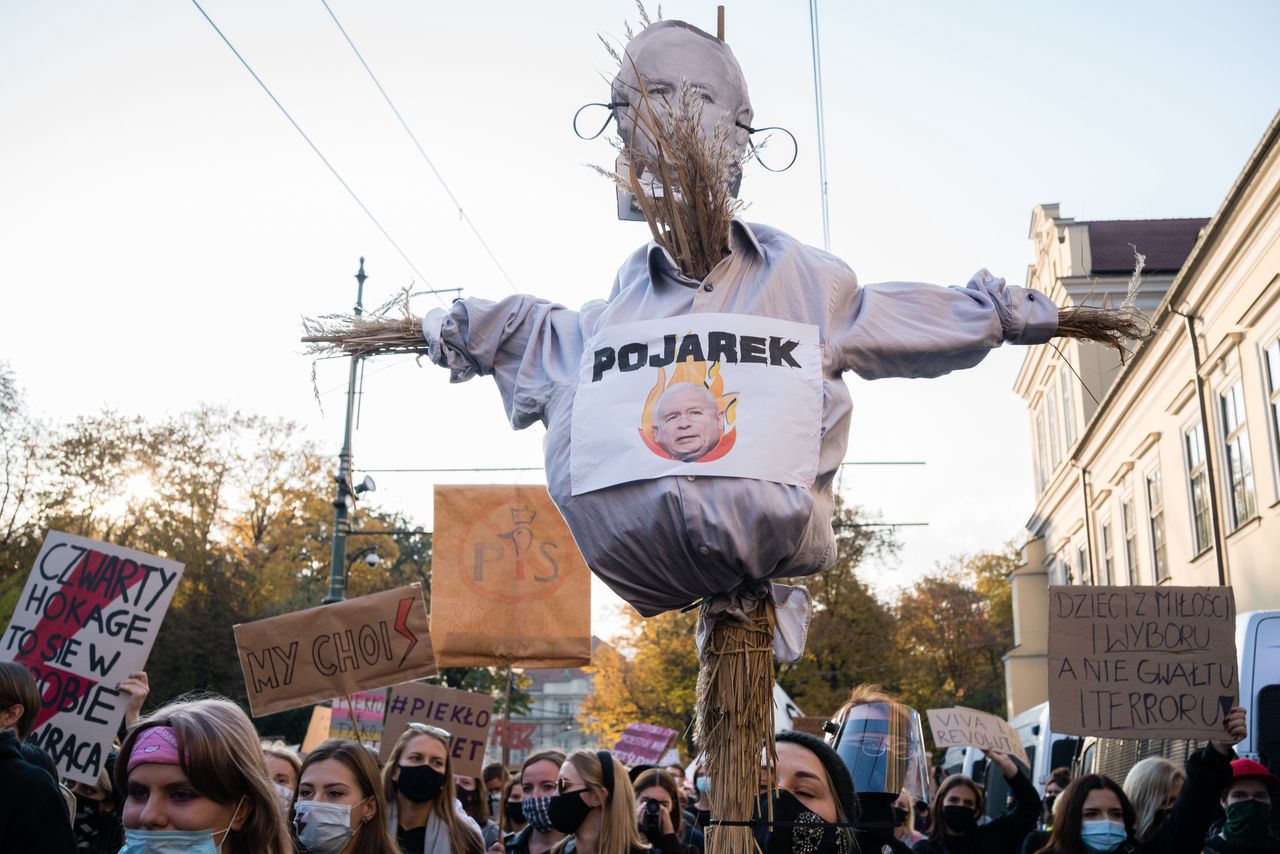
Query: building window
1082	564
1239	473
564	710
1198	481
1129	524
1108	554
1069	406
1273	389
1155	514
1042	459
1055	443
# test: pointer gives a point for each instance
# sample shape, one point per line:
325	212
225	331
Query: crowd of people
194	776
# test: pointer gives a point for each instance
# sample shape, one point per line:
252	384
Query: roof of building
1166	243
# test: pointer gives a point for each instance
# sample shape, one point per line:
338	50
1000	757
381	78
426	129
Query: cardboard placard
370	707
811	724
513	736
1142	662
317	730
508	584
964	727
86	619
369	642
466	716
642	744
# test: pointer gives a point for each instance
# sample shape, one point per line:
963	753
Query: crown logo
523	515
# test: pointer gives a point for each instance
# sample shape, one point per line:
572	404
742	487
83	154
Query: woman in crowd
702	806
657	787
422	811
537	781
959	806
815	795
1248	826
595	808
97	822
1092	815
511	818
1152	786
284	767
471	794
1054	786
905	814
340	802
33	815
192	775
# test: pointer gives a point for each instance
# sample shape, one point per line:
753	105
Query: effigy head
665	64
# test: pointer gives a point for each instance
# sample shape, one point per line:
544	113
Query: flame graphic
708	376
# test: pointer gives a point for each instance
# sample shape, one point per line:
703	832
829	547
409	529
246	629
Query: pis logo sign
510	555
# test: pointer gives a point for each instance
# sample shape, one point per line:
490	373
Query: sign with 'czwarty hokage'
723	395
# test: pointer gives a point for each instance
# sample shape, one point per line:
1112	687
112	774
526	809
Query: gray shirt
660	544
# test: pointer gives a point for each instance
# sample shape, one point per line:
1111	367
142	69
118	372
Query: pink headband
157	745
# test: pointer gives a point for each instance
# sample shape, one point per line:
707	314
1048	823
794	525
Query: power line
822	130
314	148
462	213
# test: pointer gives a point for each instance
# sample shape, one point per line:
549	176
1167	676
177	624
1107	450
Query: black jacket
1003	835
1184	828
33	815
876	824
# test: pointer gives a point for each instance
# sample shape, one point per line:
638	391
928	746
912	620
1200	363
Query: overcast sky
163	228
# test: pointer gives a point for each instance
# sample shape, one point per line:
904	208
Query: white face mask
322	828
285	794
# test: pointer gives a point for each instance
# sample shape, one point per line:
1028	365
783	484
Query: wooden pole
506	718
355	724
720	23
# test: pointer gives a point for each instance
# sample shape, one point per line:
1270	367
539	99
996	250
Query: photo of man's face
687	423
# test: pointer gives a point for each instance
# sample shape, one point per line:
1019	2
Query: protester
959	804
97	823
192	775
284	768
665	817
920	817
33	815
595	807
815	796
538	778
1092	815
1055	785
1248	803
495	778
1152	786
701	806
35	755
340	802
476	805
422	811
905	814
511	817
135	687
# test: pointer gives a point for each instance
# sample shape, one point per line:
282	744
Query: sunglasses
428	729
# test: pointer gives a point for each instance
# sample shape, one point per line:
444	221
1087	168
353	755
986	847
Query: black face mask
807	833
1159	817
568	811
419	783
1048	803
514	811
467	797
960	819
921	822
900	816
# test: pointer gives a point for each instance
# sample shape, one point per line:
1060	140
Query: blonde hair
372	837
279	750
219	752
618	831
862	695
1146	786
462	838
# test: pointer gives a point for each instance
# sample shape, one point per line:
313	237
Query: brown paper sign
1142	662
962	727
369	642
318	729
508	584
466	716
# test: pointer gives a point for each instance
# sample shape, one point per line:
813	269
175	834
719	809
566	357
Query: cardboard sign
811	724
513	736
370	706
642	744
962	727
317	730
466	716
1142	662
703	395
508	584
86	619
369	642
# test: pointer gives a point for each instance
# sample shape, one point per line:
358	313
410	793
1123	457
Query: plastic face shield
883	746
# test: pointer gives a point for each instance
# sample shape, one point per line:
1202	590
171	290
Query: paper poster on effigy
86	619
723	395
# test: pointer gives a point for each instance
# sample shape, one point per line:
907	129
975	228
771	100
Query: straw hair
618	831
372	836
462	839
733	722
220	754
1112	327
1147	785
